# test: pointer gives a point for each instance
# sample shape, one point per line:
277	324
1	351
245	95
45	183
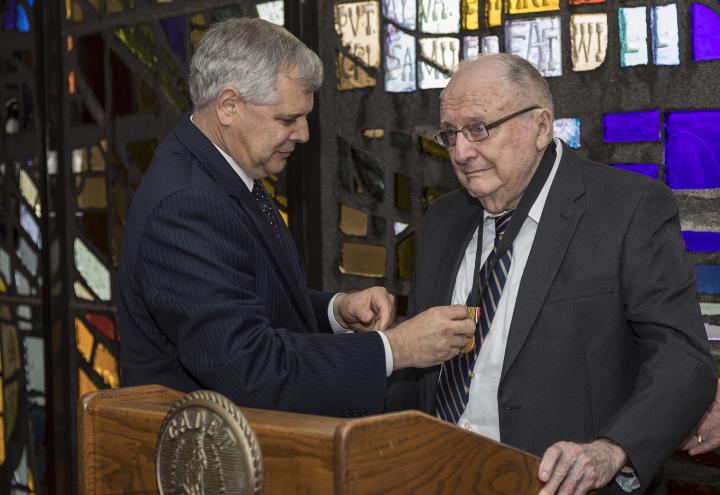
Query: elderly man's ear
227	104
545	129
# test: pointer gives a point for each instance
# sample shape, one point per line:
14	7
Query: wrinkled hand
369	309
572	468
431	337
708	430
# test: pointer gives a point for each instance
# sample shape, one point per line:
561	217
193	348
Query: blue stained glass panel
23	22
568	130
649	169
702	242
705	32
692	149
707	278
174	28
631	126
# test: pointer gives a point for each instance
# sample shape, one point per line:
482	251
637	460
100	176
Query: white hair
248	54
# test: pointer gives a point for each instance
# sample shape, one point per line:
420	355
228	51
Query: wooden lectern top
406	452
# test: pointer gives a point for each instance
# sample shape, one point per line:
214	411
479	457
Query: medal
474	315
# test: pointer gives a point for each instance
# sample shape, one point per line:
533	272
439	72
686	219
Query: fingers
384	308
573	469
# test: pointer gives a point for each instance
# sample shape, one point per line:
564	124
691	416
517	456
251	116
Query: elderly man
590	349
212	292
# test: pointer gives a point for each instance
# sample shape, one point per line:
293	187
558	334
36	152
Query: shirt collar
537	208
245	178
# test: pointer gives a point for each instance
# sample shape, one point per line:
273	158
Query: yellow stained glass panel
3	287
114	6
406	257
10	350
10	395
85	384
531	6
93	193
374	133
82	292
366	260
282	200
351	75
353	221
83	339
470	18
285	217
493	12
105	364
5	315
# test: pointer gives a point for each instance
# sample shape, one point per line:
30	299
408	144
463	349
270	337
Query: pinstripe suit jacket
606	338
209	298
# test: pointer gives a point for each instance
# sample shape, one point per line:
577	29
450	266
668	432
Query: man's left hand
707	434
369	309
571	468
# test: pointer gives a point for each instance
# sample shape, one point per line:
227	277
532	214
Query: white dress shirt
481	414
336	327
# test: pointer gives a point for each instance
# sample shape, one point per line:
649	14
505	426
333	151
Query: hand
430	338
572	468
708	430
369	309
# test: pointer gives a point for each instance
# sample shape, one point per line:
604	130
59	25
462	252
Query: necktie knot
501	223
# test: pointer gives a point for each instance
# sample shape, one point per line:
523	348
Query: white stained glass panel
633	36
665	36
443	52
272	12
490	44
403	12
22	284
400	61
537	41
5	265
96	275
471	47
399	227
30	192
588	39
358	25
439	16
568	130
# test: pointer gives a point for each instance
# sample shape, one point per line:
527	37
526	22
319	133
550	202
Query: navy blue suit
208	297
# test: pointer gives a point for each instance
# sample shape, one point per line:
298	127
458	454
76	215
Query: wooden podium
406	452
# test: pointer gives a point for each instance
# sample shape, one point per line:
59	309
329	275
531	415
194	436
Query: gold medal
474	315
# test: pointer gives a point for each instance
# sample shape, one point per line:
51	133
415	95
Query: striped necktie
455	375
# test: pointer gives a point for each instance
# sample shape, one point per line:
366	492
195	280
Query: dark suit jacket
209	298
606	338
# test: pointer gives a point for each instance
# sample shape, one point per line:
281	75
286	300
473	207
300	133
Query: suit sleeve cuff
336	327
388	354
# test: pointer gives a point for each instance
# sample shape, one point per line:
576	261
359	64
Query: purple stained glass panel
174	28
649	169
631	126
692	149
702	242
10	15
705	32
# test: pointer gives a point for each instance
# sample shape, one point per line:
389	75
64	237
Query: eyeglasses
475	132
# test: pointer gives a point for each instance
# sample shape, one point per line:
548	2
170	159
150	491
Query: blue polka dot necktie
456	374
266	207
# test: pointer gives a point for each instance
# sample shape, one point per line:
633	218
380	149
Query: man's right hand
431	337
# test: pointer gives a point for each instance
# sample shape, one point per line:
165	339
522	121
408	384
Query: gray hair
518	72
248	54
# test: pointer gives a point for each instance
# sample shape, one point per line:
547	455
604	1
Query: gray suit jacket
607	339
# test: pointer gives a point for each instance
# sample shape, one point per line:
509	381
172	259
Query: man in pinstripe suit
212	292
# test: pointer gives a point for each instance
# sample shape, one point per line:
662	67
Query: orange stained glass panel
93	193
70	43
105	365
71	82
85	384
83	339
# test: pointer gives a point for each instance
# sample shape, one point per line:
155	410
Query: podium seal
206	446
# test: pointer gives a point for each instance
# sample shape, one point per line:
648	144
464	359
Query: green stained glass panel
402	192
145	99
92	270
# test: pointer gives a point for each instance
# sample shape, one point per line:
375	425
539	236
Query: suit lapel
210	158
558	223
